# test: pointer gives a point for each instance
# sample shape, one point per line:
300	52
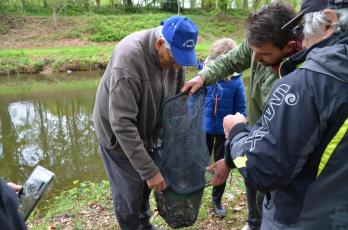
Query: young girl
225	97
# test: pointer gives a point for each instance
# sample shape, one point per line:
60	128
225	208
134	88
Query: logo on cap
189	43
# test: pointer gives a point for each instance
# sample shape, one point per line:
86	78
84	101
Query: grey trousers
254	200
130	194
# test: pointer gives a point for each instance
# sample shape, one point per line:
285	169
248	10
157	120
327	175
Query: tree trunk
54	14
86	4
45	4
192	4
256	4
179	7
246	4
97	3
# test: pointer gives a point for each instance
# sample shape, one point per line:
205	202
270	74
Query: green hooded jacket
261	79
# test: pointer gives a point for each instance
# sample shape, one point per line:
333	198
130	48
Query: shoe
247	226
219	209
156	228
150	227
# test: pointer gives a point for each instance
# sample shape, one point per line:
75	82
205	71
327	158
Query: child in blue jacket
225	97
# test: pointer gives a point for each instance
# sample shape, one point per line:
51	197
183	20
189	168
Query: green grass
33	86
114	28
59	59
89	206
61	51
64	58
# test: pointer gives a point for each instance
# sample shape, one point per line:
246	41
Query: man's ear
159	42
290	46
332	16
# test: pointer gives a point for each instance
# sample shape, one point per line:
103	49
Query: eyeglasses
298	31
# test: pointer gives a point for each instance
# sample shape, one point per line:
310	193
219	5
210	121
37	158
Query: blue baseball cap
181	35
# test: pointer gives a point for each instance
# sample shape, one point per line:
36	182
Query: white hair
317	22
342	18
160	35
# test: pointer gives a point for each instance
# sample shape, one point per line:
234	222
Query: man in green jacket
264	49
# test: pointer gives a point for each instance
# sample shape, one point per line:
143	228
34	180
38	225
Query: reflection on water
53	130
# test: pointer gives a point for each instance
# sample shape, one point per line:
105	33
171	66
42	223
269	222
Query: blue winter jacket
225	97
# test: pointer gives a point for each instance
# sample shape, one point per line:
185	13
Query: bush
170	6
39	65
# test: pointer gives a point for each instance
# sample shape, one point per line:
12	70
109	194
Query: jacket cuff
234	131
228	159
150	173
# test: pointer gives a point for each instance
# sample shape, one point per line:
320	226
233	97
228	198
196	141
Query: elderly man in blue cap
145	69
297	151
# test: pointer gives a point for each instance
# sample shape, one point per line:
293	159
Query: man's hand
193	85
157	182
231	120
15	187
221	171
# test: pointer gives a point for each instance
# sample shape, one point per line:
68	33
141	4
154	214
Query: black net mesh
179	210
182	159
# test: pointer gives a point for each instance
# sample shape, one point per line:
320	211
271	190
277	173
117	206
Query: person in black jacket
9	216
297	151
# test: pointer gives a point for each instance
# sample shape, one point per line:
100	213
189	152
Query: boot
219	210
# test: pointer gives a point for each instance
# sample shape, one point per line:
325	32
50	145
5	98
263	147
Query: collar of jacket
293	62
297	48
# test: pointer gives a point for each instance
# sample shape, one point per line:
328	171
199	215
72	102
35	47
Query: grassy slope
83	43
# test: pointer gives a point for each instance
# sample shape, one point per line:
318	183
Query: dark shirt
9	216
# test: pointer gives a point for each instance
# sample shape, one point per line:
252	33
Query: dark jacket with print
297	151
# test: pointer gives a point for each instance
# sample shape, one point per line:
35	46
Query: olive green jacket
261	79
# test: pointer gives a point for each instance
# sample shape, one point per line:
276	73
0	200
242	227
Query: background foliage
78	7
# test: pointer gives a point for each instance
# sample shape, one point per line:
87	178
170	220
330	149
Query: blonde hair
219	47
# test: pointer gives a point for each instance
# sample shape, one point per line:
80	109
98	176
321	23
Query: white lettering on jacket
278	97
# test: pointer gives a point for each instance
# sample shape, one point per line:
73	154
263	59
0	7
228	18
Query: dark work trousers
130	194
255	200
216	145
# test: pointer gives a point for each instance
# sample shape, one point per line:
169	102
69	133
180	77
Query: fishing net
182	158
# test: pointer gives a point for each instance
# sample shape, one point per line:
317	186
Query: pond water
53	130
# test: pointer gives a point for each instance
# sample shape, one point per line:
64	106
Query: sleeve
239	99
237	60
10	218
278	145
123	107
